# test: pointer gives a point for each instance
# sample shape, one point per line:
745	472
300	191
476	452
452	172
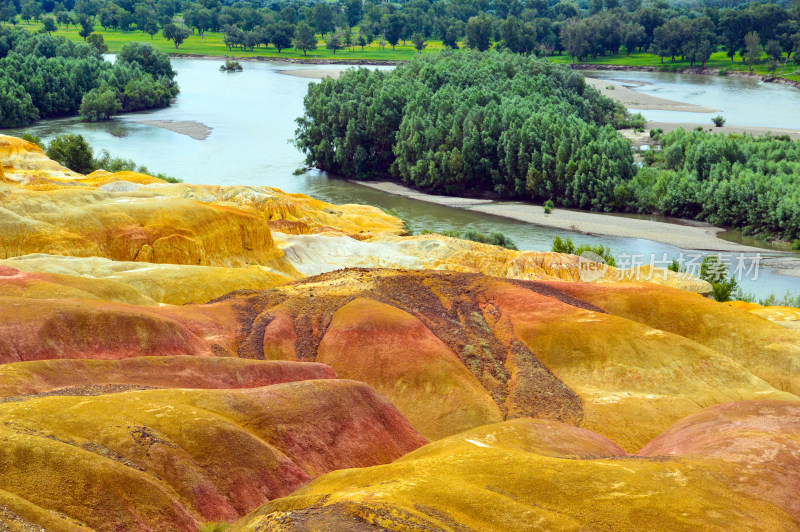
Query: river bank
292	60
688	70
689	235
637	100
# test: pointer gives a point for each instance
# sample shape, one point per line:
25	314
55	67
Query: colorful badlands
167	363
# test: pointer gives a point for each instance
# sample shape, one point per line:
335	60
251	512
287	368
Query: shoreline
638	100
697	235
577	66
291	60
687	70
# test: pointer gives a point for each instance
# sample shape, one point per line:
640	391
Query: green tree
419	42
753	49
49	25
333	43
479	32
99	104
774	50
353	12
282	34
16	106
304	38
633	36
176	34
151	60
87	27
392	28
322	19
96	40
73	152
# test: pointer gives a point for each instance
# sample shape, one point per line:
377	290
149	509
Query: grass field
212	45
717	60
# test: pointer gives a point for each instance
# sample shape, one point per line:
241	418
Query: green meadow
212	45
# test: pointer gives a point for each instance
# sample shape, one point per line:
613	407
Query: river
251	115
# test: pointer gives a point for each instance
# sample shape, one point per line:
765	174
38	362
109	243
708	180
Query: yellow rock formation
788	317
128	216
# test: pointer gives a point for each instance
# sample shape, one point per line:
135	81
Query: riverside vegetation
523	128
47	77
735	35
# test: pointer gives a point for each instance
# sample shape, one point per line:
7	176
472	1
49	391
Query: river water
742	101
252	115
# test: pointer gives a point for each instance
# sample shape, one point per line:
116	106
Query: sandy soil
313	73
696	236
193	129
794	134
637	100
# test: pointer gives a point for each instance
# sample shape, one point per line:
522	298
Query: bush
548	206
563	246
34	139
155	63
718	120
495	238
73	152
568	247
231	66
713	270
99	104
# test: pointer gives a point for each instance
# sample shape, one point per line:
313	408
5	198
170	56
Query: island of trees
42	76
519	127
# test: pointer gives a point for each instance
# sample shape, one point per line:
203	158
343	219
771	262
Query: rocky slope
720	469
174	355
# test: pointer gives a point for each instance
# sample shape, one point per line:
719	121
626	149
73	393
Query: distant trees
175	33
282	34
753	49
479	32
585	30
334	42
43	76
304	38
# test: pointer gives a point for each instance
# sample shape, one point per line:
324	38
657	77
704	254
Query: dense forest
473	122
583	29
42	76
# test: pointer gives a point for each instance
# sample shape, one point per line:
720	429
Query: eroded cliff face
173	355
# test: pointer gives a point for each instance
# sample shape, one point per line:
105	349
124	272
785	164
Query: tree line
523	128
42	76
585	29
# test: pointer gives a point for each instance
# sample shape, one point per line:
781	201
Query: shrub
563	246
73	152
34	139
99	104
713	270
567	246
494	238
231	66
719	120
548	206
